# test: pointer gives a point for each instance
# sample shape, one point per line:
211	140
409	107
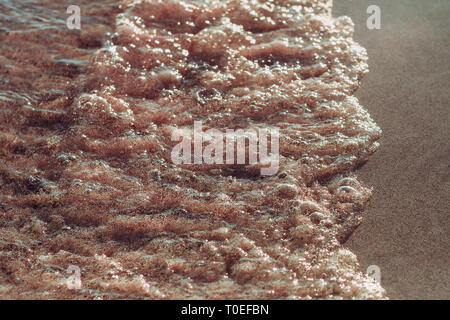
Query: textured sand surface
407	228
87	177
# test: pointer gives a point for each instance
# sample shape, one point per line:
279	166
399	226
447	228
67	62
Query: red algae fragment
87	177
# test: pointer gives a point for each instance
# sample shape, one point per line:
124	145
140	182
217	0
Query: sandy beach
90	118
406	229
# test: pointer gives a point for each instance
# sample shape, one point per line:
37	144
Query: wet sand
406	228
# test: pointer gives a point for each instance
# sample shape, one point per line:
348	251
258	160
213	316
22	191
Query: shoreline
405	228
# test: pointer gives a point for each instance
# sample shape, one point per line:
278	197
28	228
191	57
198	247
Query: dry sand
406	230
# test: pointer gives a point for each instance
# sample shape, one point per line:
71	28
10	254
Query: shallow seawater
86	175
